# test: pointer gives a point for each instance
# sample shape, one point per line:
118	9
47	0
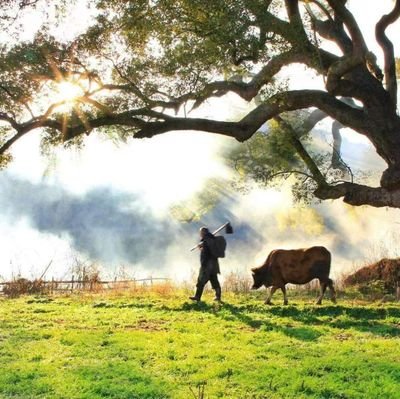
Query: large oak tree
143	65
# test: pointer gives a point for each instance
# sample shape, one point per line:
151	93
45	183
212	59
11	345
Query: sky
110	203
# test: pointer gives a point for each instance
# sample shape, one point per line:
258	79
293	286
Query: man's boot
218	294
197	295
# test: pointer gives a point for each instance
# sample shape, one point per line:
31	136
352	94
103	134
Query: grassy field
156	345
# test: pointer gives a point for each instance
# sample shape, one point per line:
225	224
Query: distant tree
144	64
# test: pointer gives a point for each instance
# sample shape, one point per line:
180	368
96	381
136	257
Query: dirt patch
146	325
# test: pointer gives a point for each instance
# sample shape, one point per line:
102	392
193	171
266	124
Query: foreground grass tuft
161	346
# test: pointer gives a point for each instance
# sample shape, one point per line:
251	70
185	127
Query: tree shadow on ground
361	318
300	320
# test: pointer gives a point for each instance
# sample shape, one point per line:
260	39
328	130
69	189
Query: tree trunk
385	137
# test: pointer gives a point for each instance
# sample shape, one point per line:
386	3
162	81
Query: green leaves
25	67
264	155
200	203
269	157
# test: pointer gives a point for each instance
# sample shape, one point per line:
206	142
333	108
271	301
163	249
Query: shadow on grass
227	311
361	318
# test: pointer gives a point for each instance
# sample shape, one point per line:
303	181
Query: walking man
209	266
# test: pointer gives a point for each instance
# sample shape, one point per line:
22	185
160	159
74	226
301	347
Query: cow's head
261	276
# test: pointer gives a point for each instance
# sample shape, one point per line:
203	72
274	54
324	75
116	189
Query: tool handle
220	228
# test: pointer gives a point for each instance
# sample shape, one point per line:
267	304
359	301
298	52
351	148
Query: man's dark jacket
207	260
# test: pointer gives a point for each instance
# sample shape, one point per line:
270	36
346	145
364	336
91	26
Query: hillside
386	271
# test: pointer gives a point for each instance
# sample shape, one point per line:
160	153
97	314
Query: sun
71	94
68	92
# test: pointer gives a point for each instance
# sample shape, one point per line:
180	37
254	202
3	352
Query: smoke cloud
110	226
107	225
114	227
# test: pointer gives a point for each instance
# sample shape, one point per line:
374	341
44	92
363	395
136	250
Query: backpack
217	246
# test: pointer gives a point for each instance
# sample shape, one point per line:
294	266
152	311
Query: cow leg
322	285
332	291
271	292
285	301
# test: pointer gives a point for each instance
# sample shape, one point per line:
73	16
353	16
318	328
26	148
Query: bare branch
247	91
313	118
388	51
337	162
302	152
13	97
359	46
7	118
289	173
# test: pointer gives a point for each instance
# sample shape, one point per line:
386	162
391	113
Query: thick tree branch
292	8
141	119
388	51
282	102
330	29
322	8
6	146
337	161
359	46
340	79
353	194
357	195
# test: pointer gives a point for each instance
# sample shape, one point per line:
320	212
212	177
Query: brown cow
294	266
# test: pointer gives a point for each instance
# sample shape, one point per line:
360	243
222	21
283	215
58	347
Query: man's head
203	232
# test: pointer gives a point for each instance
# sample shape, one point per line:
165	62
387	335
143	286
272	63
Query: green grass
158	346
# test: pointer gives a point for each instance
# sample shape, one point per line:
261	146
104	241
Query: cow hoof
318	303
268	302
334	300
286	303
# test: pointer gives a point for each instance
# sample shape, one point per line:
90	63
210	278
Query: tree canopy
142	67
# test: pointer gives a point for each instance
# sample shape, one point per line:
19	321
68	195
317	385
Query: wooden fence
73	284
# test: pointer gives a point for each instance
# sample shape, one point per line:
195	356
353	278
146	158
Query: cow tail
329	260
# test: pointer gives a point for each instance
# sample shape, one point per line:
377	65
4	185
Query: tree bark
357	195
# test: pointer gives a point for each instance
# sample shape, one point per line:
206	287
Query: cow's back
299	266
